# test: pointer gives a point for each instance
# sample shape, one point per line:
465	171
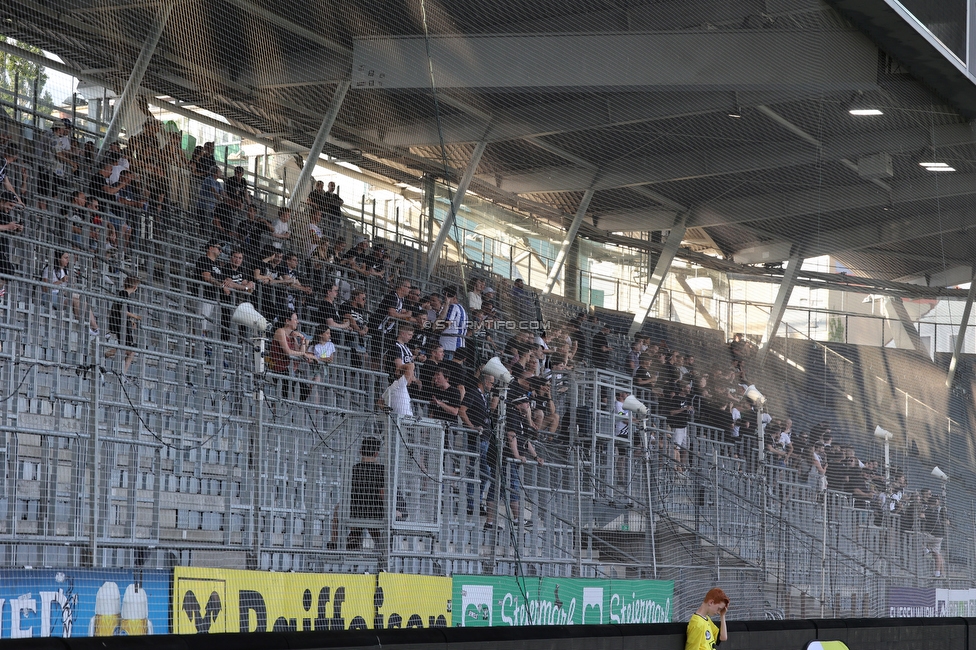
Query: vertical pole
462	189
34	107
16	97
135	78
328	120
94	451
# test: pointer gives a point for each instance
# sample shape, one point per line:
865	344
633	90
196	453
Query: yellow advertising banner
223	600
412	601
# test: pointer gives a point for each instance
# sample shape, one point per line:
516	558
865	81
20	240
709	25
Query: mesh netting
430	314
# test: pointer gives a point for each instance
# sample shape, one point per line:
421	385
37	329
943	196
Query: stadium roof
733	113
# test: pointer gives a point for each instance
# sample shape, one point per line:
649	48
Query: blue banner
83	602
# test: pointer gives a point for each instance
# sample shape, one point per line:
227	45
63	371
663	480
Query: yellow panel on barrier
413	601
222	600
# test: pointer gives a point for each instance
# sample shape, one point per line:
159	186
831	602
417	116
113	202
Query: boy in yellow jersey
702	632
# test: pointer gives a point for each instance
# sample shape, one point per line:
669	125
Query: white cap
107	600
135	604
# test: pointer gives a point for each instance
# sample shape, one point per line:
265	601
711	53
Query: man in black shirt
434	362
327	310
332	213
122	321
475	414
678	411
296	288
250	232
384	320
367	491
445	399
601	348
241	291
354	312
208	270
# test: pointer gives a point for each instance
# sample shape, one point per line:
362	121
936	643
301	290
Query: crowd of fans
430	341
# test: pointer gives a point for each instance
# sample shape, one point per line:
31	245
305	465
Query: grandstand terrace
742	255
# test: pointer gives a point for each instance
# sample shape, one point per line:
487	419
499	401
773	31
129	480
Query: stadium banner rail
491	601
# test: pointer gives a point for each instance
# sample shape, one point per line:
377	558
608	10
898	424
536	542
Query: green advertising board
487	601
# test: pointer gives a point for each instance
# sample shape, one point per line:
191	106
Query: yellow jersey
702	633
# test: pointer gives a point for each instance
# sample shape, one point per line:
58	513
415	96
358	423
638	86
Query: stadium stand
149	422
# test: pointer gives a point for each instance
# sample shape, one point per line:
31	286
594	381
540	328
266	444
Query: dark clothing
601	357
477	405
426	376
673	403
451	396
235	189
366	491
204	265
117	320
401	352
325	310
361	316
381	320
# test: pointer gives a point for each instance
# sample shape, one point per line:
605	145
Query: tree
16	70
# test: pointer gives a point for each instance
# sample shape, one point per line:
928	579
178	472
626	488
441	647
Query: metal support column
557	265
462	189
660	272
699	305
135	78
779	306
961	335
301	185
898	306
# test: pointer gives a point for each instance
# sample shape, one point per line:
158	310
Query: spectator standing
355	313
388	313
210	195
367	495
401	369
122	321
455	319
266	273
241	290
445	399
475	413
209	271
934	526
601	348
9	226
678	411
332	213
7	192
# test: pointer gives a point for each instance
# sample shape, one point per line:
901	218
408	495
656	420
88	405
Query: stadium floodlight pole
462	189
557	265
779	305
301	185
961	335
135	78
661	269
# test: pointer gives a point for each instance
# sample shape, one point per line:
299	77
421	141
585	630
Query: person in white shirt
475	287
456	321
